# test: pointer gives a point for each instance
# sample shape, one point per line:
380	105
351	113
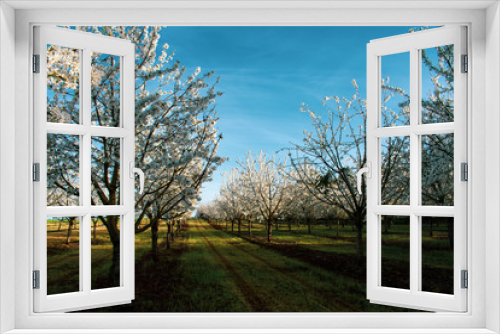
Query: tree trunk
60	225
387	224
451	228
114	270
239	226
290	226
154	240
308	221
94	232
169	232
114	234
338	227
269	230
70	225
359	238
232	225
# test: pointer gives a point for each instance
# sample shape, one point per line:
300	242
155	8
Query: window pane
395	232
437	169
395	169
105	171
105	90
395	88
63	255
63	170
63	85
437	84
437	254
105	252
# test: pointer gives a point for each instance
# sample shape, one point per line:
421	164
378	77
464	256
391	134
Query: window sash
413	298
86	297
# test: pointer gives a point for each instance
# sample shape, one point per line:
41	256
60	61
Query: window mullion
414	171
86	153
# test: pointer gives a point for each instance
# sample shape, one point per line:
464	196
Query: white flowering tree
236	200
306	207
230	199
268	185
328	158
176	134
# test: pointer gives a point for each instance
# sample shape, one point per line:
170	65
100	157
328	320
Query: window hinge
36	63
36	172
36	279
464	171
464	279
465	64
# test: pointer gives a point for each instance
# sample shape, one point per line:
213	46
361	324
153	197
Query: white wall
7	158
485	162
492	164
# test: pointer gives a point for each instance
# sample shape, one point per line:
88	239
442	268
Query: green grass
211	270
63	266
323	241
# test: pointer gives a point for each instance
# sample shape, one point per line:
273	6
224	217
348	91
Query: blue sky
267	72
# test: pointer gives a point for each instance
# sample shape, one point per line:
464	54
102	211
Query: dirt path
252	299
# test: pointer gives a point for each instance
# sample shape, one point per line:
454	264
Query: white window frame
483	314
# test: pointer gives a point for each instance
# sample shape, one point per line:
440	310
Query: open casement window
84	168
416	144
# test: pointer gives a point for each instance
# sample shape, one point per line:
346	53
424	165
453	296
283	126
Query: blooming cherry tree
176	134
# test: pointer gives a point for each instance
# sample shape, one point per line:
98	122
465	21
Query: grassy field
209	269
